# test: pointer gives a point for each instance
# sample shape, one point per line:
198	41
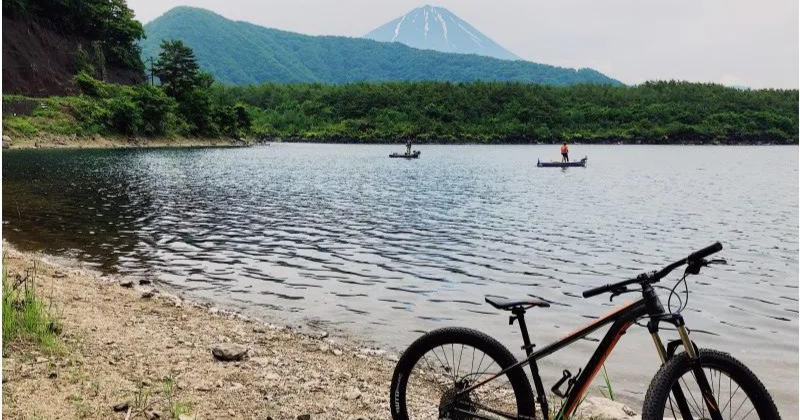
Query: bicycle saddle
510	304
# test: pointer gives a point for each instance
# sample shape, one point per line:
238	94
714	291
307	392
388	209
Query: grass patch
146	399
174	406
19	126
26	316
607	390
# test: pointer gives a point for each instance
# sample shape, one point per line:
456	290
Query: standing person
408	146
564	152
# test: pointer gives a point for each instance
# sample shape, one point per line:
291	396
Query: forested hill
655	112
47	42
243	53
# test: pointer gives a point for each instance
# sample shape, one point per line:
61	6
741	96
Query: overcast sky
735	42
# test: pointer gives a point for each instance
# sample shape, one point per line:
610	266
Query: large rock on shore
229	352
597	408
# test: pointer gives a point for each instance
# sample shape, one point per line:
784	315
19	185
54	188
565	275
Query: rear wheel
737	391
431	375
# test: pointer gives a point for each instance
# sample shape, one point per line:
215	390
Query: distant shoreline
609	141
111	142
50	141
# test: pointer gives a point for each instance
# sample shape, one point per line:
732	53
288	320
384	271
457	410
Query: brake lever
618	291
694	268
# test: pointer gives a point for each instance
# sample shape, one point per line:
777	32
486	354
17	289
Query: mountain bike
460	373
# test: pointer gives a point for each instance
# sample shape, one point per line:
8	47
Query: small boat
413	155
581	163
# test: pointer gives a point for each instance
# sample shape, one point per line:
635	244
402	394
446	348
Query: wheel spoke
432	372
734	398
691	394
435	384
748	413
730	399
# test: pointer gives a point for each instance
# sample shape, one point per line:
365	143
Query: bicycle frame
621	318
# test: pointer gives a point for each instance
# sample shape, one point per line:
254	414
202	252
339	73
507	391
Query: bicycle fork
697	369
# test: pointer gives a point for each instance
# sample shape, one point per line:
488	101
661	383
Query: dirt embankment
38	61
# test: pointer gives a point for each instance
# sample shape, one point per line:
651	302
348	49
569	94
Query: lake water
384	249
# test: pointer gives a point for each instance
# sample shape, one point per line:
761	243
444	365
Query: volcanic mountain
436	28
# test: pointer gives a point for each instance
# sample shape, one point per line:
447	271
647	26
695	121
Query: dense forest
656	112
243	53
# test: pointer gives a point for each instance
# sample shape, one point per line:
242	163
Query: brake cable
682	304
693	268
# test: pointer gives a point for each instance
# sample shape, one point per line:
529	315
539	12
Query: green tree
157	110
178	71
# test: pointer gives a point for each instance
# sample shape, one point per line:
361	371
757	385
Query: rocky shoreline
54	141
132	351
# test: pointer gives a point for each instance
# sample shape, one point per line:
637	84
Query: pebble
128	284
352	394
228	352
123	406
304	417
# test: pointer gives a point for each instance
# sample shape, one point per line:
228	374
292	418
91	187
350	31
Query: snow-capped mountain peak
436	28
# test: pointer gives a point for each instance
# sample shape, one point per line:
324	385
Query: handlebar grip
712	249
596	291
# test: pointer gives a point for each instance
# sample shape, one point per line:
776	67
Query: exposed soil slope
38	61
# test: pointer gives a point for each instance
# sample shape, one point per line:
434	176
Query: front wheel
450	374
675	391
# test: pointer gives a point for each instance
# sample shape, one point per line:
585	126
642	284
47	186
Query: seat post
519	314
541	397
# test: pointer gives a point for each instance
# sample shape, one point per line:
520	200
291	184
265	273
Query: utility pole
152	78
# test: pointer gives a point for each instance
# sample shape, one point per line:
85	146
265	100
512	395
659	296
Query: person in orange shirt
564	152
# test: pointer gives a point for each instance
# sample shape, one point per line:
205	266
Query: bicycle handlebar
658	275
609	287
699	255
